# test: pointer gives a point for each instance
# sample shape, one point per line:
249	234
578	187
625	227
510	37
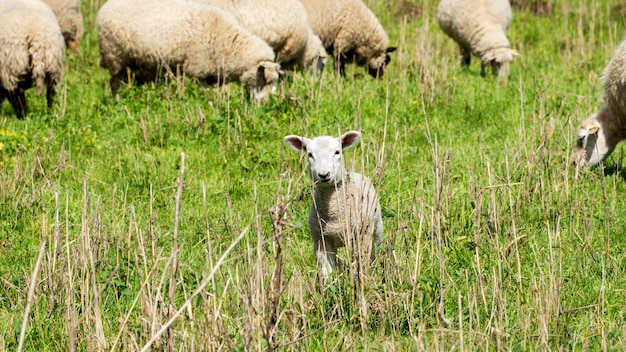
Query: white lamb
31	51
345	209
599	134
70	20
350	31
204	42
479	27
283	24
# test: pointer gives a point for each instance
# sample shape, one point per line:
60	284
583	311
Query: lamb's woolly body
479	27
345	209
70	20
599	134
283	24
31	51
202	41
349	28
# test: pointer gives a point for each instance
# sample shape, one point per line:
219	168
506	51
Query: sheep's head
262	79
325	155
597	137
377	63
315	56
499	59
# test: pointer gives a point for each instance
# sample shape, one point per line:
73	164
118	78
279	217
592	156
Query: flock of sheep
251	42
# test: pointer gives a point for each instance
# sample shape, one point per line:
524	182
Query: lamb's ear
349	139
297	142
391	49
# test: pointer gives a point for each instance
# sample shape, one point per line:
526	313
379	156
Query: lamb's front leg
326	258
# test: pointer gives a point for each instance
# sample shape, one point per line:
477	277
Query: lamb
204	42
599	134
479	27
351	33
70	19
345	209
283	24
31	52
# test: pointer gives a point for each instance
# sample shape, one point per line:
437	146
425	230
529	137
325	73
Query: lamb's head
597	137
376	63
499	59
325	155
261	80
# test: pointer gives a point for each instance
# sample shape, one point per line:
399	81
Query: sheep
351	33
31	52
204	42
70	19
346	208
479	28
599	134
283	24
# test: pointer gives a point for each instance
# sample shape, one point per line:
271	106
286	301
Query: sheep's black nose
324	177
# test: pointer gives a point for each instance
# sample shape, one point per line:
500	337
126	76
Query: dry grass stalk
31	294
173	281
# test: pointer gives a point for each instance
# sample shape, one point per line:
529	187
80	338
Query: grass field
184	204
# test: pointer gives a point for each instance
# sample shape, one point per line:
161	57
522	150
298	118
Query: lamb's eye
337	152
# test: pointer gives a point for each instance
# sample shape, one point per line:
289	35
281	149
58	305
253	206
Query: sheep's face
596	139
376	65
324	155
500	60
261	82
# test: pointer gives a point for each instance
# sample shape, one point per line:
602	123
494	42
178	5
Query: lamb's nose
324	177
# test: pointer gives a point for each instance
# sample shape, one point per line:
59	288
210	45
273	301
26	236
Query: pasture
181	203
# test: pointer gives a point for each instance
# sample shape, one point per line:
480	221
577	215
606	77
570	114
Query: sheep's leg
340	66
50	93
326	258
116	82
17	99
466	56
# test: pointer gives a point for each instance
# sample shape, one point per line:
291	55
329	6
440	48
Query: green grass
493	239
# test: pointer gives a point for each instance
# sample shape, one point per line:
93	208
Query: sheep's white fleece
479	27
70	20
599	134
203	41
350	31
283	24
31	51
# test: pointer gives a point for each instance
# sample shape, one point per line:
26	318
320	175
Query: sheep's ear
349	139
391	49
297	142
592	128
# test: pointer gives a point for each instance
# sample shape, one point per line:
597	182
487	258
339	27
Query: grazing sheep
599	134
345	209
204	42
479	27
283	24
31	52
351	33
70	20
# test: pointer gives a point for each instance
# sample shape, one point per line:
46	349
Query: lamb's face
595	141
324	155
